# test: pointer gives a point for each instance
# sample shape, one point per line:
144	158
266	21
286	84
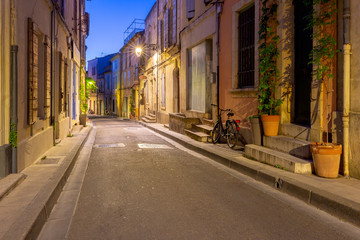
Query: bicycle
230	131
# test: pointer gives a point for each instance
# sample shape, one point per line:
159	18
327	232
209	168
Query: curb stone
36	214
10	182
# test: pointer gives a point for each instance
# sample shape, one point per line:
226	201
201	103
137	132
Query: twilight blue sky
108	21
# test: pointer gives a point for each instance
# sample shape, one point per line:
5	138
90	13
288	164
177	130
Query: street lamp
139	52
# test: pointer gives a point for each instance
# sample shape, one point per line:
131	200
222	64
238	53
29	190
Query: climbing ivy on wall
325	47
268	55
13	135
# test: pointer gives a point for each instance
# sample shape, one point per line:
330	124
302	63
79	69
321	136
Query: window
171	28
41	77
125	79
126	60
63	8
39	74
32	75
107	82
93	71
166	28
246	54
149	34
196	77
47	103
190	9
174	22
129	77
62	82
137	70
129	59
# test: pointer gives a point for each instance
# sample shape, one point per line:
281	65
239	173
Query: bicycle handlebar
223	110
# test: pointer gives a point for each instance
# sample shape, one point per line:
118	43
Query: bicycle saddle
230	114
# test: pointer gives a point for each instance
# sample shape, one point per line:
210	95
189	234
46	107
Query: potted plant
269	74
326	155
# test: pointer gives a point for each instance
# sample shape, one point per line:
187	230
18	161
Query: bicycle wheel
231	133
215	134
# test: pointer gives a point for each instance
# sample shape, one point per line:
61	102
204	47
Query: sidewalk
35	190
339	197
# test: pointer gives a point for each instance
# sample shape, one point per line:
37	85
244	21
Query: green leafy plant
325	48
268	55
85	93
70	135
13	135
43	158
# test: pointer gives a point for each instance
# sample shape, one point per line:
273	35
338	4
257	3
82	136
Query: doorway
303	70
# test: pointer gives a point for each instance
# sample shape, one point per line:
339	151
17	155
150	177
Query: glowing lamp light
138	51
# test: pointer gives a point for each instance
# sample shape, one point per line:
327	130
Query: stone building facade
131	67
47	62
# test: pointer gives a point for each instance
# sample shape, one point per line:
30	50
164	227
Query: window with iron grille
246	43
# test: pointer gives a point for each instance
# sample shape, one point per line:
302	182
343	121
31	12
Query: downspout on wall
52	81
218	12
14	85
346	87
157	63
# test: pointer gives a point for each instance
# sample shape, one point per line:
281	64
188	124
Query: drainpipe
218	12
157	64
14	85
346	87
14	116
52	81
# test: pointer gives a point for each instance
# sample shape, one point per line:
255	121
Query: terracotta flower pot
326	159
270	124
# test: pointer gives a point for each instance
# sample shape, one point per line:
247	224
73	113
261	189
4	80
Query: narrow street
138	185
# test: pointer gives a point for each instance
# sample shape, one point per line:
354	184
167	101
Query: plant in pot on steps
326	155
269	74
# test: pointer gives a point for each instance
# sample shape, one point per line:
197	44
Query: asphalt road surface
140	185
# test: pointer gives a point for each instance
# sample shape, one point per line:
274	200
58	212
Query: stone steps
296	147
202	128
279	159
208	122
196	135
295	131
148	119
